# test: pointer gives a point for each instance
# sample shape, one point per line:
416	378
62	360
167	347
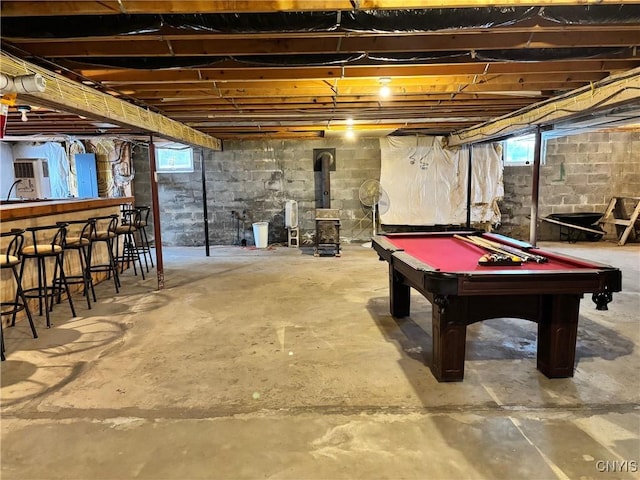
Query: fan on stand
373	196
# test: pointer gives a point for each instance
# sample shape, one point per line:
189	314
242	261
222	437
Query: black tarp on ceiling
412	20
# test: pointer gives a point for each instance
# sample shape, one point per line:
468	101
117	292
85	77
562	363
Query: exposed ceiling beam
116	7
240	73
230	71
64	94
300	44
617	90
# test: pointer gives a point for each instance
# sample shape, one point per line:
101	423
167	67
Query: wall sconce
385	91
23	109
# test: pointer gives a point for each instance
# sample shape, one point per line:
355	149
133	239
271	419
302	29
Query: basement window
520	150
174	158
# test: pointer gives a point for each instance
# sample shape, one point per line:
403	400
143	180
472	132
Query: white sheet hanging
427	183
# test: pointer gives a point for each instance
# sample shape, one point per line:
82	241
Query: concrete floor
277	364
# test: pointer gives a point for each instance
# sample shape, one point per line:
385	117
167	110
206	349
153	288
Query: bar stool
104	233
144	246
41	249
11	259
130	252
78	234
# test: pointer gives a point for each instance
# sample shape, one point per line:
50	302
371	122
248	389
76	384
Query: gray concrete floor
277	364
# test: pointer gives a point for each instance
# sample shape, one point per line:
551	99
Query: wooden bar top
16	210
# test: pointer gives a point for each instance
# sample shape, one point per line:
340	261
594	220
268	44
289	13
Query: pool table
446	270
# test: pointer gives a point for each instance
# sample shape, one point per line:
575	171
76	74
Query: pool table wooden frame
460	297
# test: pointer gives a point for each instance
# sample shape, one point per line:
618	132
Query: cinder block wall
254	179
581	173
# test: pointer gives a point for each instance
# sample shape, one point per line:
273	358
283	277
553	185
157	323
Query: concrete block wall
254	179
581	173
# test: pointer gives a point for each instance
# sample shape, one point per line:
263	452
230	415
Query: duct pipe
325	159
22	84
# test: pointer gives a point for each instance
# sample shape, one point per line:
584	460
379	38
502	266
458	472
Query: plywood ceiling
247	76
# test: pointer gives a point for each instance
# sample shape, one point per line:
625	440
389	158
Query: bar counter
69	208
24	214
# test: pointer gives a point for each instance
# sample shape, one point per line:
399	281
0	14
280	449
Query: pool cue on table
526	256
514	258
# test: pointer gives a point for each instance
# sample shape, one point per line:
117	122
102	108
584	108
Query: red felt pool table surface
450	254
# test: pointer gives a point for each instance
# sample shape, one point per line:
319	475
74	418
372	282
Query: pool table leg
399	295
449	339
557	335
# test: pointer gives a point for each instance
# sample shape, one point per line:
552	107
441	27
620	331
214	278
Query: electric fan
373	196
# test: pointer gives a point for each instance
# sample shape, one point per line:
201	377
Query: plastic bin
261	234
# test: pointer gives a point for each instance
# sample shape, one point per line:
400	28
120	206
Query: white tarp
427	183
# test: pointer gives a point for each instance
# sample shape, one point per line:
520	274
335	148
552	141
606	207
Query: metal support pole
470	148
535	188
205	210
156	213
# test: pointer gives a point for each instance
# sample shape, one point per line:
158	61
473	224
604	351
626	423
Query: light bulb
23	109
385	91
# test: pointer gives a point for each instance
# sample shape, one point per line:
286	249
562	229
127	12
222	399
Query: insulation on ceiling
408	20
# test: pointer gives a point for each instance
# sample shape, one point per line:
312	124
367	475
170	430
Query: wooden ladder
610	217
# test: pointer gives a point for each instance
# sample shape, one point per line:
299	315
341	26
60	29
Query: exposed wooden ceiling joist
233	82
115	7
234	71
304	44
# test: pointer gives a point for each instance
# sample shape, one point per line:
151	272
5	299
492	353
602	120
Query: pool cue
529	257
514	258
494	247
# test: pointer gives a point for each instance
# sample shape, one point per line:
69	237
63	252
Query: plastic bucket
261	234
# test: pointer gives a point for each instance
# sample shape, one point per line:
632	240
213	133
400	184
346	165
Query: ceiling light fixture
385	91
23	109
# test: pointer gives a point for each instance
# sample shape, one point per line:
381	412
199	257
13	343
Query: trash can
261	234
